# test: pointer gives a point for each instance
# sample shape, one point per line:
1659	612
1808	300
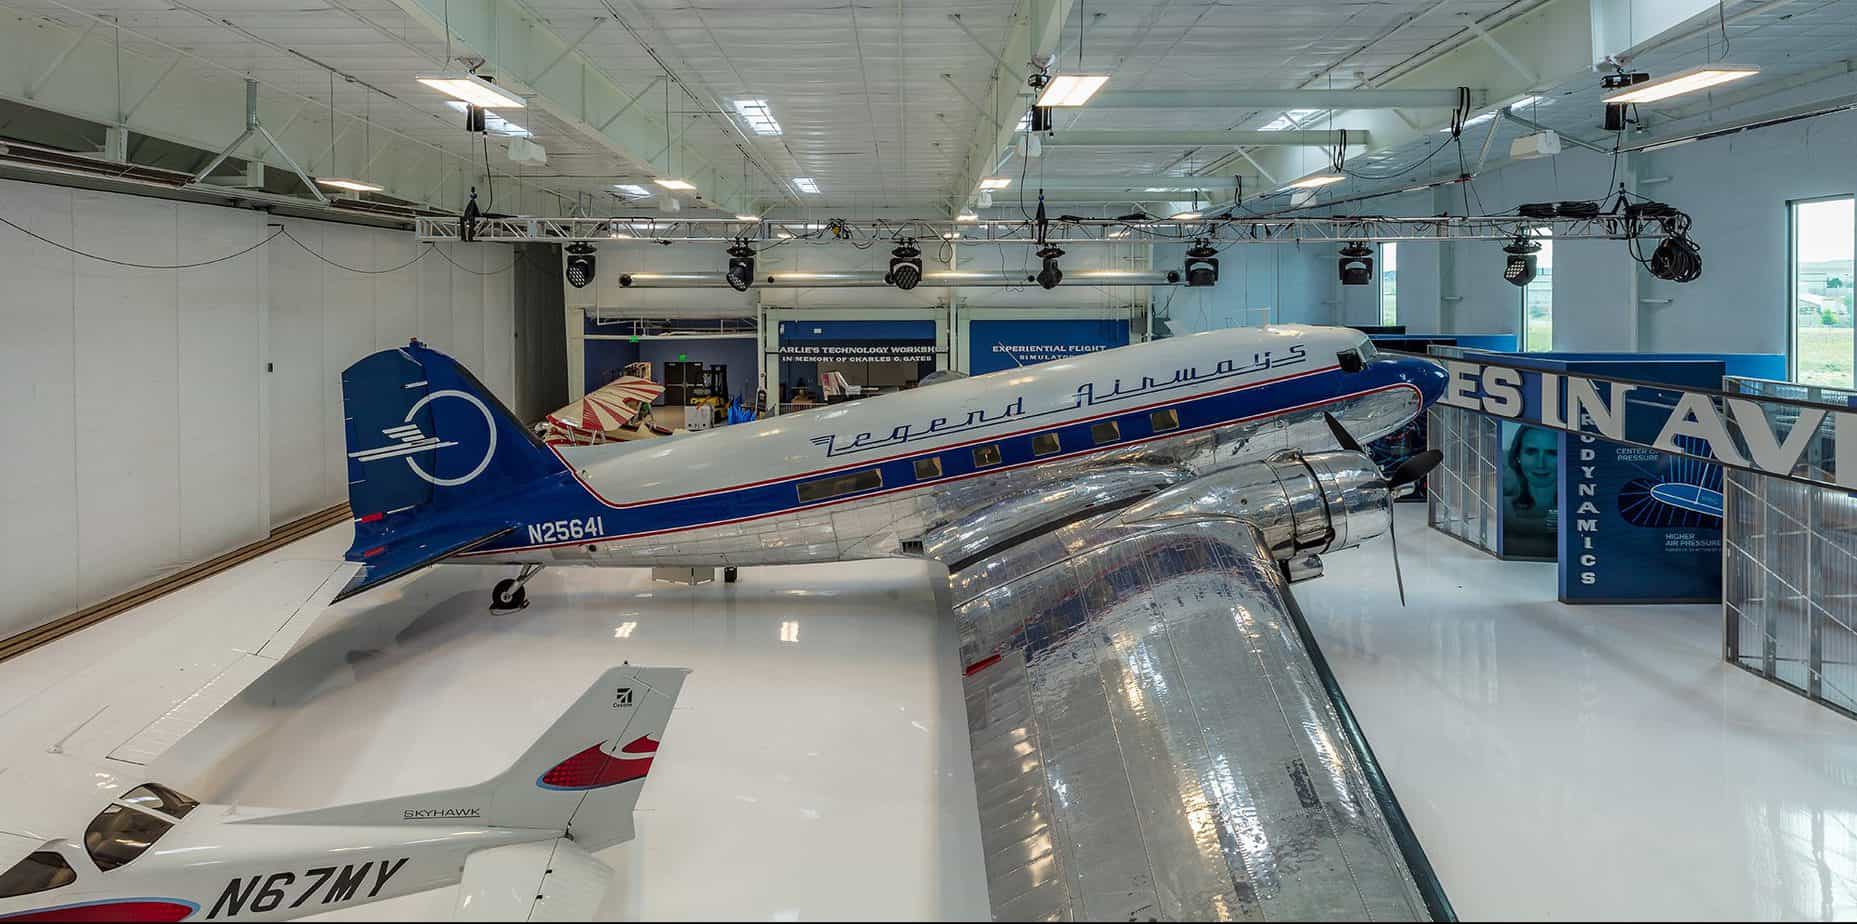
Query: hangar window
1389	284
38	872
1821	284
986	455
1163	421
1538	297
840	485
928	468
1105	432
1045	444
119	834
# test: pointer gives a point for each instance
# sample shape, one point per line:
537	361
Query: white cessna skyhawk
439	469
85	835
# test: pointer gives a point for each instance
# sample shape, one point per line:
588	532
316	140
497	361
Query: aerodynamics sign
1786	439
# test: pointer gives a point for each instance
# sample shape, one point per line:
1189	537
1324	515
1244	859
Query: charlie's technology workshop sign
873	351
1717	427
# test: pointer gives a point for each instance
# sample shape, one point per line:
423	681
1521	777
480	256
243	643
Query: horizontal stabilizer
404	555
537	881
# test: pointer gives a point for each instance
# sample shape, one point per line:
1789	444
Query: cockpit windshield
161	799
1368	353
38	872
132	824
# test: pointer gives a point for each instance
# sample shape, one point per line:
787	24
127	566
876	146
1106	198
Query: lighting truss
1245	230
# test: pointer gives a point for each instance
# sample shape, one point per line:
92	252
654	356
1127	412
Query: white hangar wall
155	418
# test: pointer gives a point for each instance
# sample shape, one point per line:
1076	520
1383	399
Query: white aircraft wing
1155	735
538	881
117	713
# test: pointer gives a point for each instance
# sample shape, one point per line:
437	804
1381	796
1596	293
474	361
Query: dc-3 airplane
440	470
518	845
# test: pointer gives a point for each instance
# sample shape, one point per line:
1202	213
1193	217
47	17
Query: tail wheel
509	595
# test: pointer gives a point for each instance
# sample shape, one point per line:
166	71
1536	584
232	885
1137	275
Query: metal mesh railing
1789	563
1462	493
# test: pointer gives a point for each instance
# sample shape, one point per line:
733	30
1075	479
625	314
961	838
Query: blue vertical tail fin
428	447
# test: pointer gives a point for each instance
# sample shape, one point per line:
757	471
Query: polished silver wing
1155	736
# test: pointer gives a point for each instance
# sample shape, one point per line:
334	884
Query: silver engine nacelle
1304	503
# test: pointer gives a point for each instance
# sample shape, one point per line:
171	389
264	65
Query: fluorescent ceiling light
1686	81
1071	89
633	190
950	235
747	218
352	185
677	185
756	113
806	185
1662	145
967	216
493	123
995	182
473	89
1315	181
1183	216
1290	119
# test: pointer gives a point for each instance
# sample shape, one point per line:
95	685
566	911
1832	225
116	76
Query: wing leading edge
1152	738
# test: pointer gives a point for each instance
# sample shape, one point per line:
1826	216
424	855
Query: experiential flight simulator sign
1731	430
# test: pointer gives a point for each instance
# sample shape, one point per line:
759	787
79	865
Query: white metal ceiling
874	95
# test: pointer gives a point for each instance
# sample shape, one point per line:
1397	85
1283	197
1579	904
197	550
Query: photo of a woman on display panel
1530	493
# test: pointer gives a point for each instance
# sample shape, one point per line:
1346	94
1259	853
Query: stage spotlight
1356	264
1202	266
905	265
1048	274
580	264
741	266
1519	268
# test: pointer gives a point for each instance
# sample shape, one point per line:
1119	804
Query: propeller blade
1414	468
1392	538
1341	433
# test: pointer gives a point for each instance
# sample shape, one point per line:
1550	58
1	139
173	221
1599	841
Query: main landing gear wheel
728	575
509	595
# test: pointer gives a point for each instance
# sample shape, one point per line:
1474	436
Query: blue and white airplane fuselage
439	469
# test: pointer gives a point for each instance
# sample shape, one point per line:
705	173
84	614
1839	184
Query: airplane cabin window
928	468
986	455
157	797
1105	432
38	872
1163	421
840	485
119	834
1045	444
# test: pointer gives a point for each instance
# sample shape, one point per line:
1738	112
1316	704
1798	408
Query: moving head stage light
1519	269
741	266
580	264
1048	274
905	265
1202	266
1356	264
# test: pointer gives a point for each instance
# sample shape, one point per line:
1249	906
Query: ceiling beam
1215	138
1235	98
1167	183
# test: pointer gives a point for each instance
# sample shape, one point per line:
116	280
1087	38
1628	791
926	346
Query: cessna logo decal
424	814
263	893
408	439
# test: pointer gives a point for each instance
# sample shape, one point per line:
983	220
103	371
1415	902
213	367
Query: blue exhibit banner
1646	525
1006	344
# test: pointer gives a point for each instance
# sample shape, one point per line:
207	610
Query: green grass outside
1825	356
